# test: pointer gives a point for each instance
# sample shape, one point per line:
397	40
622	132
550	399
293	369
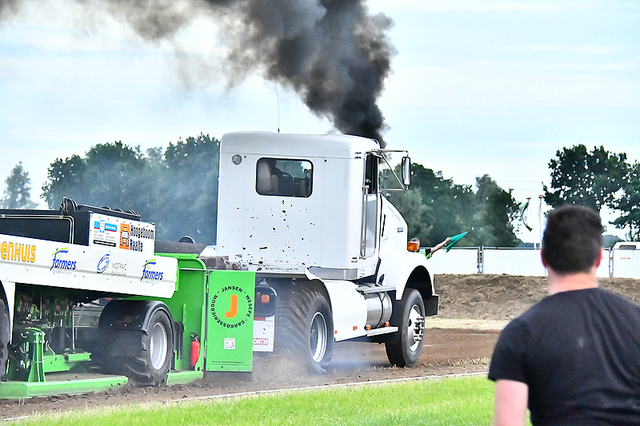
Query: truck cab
302	201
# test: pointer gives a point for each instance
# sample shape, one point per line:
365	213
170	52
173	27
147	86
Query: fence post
480	260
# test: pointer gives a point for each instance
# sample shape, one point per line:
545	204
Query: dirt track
460	340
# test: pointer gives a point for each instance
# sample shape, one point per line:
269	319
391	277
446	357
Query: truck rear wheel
405	346
4	337
305	326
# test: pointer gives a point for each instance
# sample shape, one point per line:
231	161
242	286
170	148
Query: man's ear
599	258
544	262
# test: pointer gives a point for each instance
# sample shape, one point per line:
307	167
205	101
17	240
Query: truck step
365	289
382	330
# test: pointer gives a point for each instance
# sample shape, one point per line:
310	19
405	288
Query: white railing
512	261
625	263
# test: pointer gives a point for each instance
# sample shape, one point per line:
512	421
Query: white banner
99	268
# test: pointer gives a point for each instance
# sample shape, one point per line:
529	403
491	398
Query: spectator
574	357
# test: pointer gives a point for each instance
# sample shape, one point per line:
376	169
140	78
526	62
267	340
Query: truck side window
284	177
371	174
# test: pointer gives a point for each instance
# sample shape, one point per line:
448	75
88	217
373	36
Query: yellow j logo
233	309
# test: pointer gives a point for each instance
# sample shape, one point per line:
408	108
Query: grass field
466	400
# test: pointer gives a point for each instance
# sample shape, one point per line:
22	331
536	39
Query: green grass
451	401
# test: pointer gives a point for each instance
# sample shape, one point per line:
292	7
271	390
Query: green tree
588	178
65	178
417	214
435	208
628	203
431	206
449	203
496	210
17	194
108	175
176	188
188	188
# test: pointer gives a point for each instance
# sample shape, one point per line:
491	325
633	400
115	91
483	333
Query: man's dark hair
572	239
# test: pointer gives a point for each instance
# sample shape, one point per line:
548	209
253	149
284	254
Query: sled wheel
4	337
145	356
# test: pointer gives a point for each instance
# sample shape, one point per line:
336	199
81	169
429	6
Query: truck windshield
284	177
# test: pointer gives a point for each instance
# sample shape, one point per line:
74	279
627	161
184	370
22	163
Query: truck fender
9	296
348	307
131	314
410	270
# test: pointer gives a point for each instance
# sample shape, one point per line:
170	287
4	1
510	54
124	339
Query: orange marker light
265	298
413	245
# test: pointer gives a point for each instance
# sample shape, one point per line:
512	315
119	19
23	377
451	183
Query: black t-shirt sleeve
508	361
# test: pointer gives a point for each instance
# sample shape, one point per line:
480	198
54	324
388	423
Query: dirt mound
503	297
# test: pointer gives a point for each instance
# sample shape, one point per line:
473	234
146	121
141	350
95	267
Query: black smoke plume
333	53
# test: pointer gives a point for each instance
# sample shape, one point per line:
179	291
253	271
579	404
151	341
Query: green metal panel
187	306
182	377
230	321
66	362
21	390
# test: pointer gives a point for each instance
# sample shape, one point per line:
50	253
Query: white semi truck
307	213
311	253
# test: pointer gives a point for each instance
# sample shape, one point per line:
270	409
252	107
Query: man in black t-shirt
574	357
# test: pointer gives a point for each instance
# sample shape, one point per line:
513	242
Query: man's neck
559	283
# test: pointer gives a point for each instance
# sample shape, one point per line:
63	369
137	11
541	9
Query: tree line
176	187
597	179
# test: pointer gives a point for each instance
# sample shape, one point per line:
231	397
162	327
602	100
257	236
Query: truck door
370	223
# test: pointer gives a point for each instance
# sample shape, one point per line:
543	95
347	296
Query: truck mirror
406	171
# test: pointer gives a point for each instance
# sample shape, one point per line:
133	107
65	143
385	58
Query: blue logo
103	226
148	273
63	264
103	263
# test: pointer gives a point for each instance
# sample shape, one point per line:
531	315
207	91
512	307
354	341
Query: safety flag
454	240
524	214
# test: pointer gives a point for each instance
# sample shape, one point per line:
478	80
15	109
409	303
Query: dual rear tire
305	326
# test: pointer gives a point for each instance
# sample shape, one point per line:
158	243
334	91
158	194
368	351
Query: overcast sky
478	86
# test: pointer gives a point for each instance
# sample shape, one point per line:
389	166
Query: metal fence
512	261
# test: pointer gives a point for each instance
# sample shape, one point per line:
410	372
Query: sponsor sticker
17	252
231	306
150	273
103	263
60	264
